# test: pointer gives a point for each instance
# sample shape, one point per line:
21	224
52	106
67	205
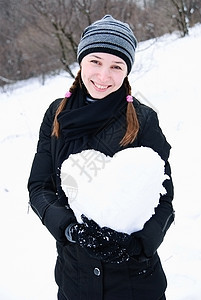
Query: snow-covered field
167	76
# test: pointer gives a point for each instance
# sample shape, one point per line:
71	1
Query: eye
96	62
116	67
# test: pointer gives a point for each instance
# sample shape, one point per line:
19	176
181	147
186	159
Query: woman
99	113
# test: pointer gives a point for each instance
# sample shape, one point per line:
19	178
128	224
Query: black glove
105	247
127	245
102	243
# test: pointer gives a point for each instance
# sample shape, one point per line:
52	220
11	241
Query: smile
100	87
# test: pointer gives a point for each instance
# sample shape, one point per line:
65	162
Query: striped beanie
108	35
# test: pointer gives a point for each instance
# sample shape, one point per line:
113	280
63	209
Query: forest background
39	38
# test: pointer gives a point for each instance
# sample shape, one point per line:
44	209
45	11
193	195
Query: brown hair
77	82
131	116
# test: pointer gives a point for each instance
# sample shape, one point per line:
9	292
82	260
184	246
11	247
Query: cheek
85	74
119	80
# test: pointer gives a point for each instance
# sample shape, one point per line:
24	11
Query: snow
124	181
170	81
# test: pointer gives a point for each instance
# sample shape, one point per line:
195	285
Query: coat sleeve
156	227
42	189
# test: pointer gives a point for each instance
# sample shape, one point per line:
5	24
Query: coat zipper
167	221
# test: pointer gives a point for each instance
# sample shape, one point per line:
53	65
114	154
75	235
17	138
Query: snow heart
119	192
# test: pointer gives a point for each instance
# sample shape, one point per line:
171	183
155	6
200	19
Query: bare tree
57	21
181	16
10	54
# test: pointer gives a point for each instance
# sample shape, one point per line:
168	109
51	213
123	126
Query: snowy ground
167	76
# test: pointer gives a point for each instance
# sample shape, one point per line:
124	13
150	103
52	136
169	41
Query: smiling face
102	73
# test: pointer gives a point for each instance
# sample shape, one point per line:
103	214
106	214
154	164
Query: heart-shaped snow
119	192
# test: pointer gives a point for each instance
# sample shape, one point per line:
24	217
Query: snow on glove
87	235
114	247
130	243
79	233
97	244
112	253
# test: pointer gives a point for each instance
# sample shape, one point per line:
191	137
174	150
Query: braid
127	86
75	85
131	118
77	82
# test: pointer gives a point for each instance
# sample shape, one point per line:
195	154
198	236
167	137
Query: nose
104	74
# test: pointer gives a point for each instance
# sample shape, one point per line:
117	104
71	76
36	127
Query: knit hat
108	35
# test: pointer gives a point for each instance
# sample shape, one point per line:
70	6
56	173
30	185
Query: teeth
100	86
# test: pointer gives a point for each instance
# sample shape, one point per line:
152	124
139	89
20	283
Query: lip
100	87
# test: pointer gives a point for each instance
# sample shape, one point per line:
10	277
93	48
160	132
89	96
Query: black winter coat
79	276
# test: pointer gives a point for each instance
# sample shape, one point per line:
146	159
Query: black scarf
79	121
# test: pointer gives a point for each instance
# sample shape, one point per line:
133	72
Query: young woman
99	113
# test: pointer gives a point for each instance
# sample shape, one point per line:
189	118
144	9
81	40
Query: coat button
97	271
